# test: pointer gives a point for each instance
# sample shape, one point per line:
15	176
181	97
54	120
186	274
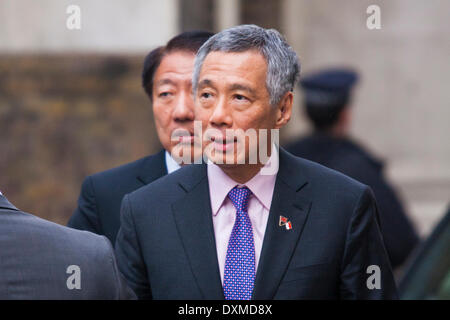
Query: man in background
43	260
327	101
167	80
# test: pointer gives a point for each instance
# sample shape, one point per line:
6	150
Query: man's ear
284	110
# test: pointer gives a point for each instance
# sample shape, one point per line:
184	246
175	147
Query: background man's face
173	105
232	94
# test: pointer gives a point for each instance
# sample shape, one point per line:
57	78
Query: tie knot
240	197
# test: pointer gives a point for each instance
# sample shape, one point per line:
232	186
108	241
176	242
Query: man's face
173	105
232	94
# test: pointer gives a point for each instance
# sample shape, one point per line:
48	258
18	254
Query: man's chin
227	160
186	152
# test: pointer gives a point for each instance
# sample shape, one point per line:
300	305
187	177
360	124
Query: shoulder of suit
126	172
167	184
319	176
130	168
57	233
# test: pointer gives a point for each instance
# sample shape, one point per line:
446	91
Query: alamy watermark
374	19
374	280
74	280
73	21
231	146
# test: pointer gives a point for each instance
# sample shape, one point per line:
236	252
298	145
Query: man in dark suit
166	78
43	260
327	102
239	227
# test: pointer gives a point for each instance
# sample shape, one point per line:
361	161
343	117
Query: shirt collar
261	185
171	164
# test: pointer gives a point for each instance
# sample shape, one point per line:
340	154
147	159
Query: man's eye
164	94
240	97
205	95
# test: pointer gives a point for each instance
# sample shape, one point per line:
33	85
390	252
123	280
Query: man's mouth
223	145
184	137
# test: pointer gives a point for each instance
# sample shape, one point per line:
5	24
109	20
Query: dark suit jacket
35	255
166	245
346	156
98	208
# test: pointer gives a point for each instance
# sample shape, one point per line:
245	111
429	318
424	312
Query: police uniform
325	95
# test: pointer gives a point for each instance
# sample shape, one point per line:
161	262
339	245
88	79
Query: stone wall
119	26
401	106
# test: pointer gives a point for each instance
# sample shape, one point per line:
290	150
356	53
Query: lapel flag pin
285	222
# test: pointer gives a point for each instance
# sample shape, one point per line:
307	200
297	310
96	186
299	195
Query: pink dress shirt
224	212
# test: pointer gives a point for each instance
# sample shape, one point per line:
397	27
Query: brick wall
63	117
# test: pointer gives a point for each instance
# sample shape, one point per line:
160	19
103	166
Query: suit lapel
291	201
193	219
153	168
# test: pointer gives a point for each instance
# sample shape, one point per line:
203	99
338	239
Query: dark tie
239	273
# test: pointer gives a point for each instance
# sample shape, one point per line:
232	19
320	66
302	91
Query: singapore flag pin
285	222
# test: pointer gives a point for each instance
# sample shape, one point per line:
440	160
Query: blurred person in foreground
167	80
327	101
43	260
280	227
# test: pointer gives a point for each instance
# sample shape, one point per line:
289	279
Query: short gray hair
283	66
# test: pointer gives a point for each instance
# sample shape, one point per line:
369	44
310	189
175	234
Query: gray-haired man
233	230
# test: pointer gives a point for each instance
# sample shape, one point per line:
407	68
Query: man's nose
184	108
220	117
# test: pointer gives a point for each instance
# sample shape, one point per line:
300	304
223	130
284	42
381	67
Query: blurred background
71	101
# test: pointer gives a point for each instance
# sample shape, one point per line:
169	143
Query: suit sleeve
128	253
85	216
366	271
123	291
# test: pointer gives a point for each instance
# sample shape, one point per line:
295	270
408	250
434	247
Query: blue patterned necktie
239	274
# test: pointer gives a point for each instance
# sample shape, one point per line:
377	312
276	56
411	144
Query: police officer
327	96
